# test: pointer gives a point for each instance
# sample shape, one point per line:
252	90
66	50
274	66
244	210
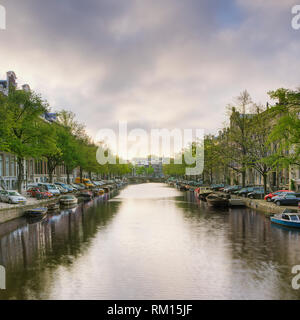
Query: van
86	182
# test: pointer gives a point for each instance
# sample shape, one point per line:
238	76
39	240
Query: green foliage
149	170
286	132
292	185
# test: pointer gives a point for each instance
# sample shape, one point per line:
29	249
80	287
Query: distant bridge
143	179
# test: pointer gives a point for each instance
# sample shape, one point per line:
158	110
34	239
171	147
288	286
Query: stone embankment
12	211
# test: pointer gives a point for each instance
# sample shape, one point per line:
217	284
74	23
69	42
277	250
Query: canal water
149	242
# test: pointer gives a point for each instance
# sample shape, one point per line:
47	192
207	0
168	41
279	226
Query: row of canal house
276	179
34	170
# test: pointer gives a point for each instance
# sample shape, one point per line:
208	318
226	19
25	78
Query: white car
12	196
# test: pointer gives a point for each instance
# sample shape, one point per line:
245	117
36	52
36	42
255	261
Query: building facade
8	171
35	171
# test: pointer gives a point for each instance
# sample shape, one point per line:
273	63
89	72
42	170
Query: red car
33	192
269	196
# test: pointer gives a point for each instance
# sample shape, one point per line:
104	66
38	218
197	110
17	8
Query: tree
22	112
149	171
286	132
4	125
260	156
73	142
237	149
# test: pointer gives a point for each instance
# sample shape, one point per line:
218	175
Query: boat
53	207
36	212
203	192
183	187
288	218
98	192
68	200
106	189
85	195
217	200
237	203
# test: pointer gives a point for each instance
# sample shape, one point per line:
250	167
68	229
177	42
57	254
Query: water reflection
149	242
33	249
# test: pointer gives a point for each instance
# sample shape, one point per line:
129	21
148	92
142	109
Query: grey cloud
156	63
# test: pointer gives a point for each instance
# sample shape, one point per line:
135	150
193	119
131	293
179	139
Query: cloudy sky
157	64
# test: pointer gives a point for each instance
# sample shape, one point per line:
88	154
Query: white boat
68	200
288	218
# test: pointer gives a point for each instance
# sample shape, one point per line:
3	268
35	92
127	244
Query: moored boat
98	192
217	200
288	218
68	200
36	212
237	203
85	195
53	207
106	189
203	192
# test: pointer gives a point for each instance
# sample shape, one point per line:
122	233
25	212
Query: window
290	196
285	217
294	218
12	166
7	166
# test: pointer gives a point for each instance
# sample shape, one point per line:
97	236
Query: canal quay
149	241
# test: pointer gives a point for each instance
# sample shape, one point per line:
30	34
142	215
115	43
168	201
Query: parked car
39	192
12	196
72	188
287	199
227	188
231	189
65	186
217	187
269	196
62	189
75	186
81	186
244	191
283	194
51	188
256	194
31	185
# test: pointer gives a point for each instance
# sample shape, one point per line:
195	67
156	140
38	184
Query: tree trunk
50	175
51	168
243	178
80	174
265	183
277	179
68	174
20	173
